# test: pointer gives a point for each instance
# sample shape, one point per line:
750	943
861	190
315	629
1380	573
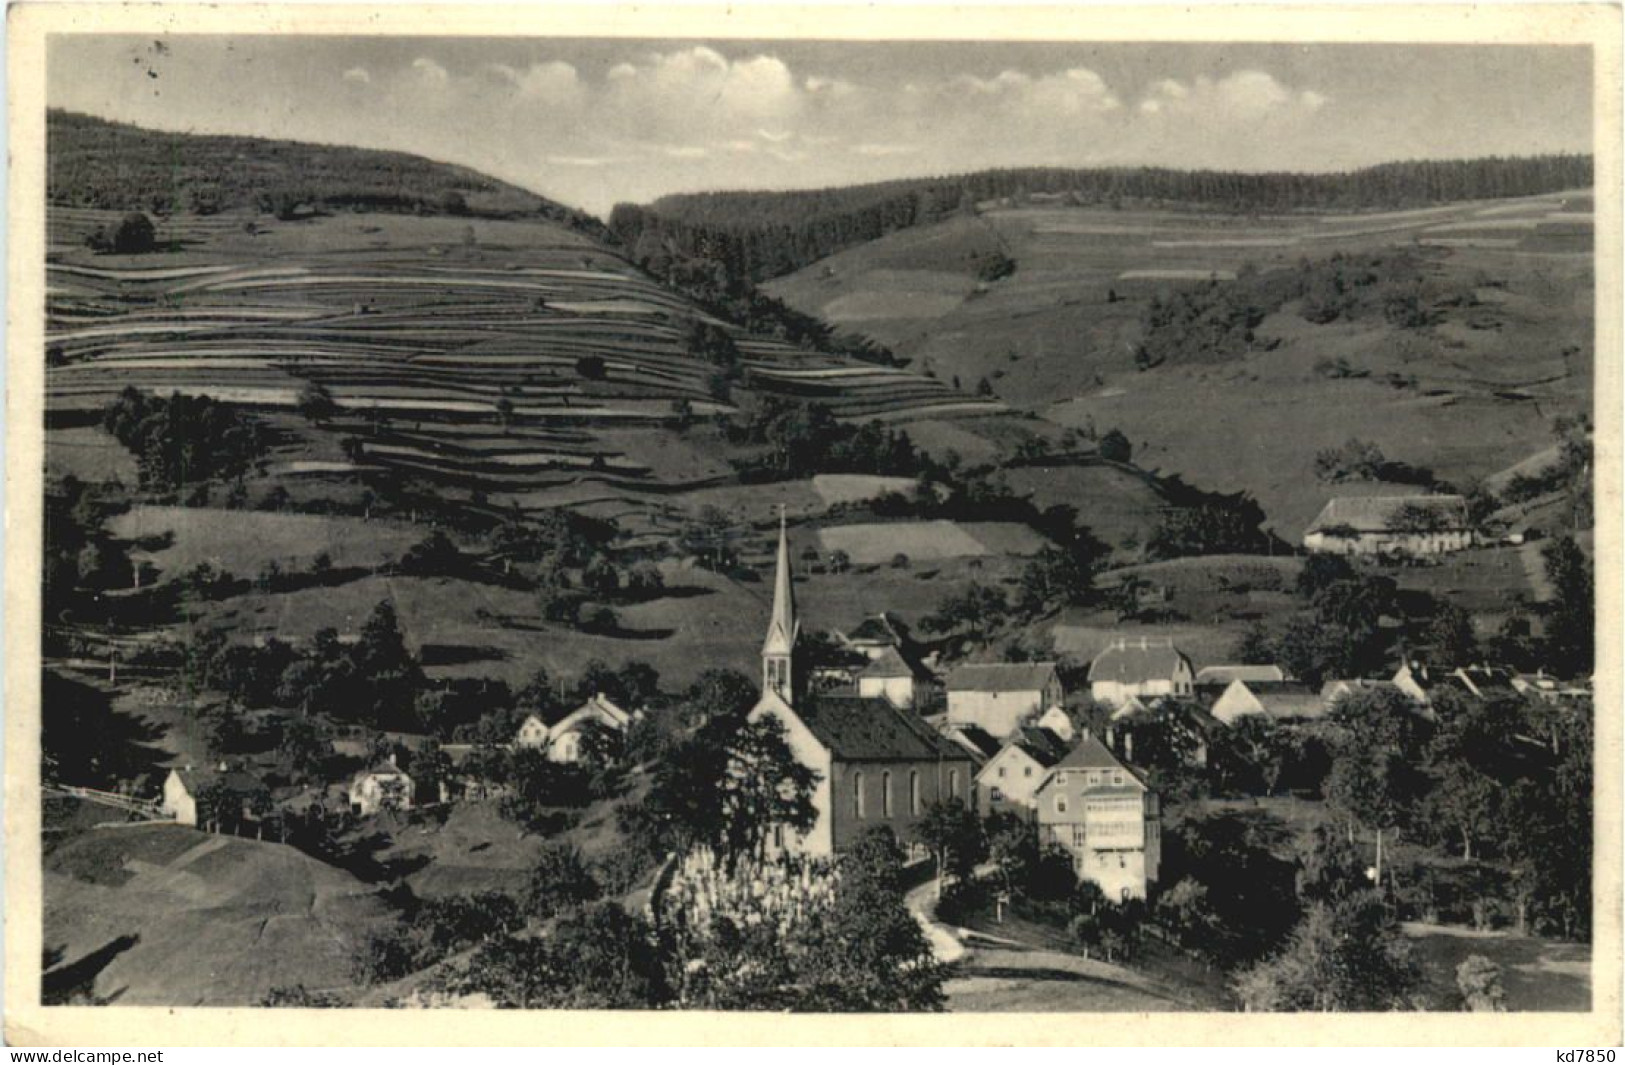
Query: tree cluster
184	440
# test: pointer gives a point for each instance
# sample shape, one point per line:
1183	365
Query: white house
183	786
1141	666
383	787
564	740
533	732
888	677
1391	525
1009	781
999	695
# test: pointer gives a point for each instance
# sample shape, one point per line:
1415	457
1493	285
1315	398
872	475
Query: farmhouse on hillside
1009	781
383	787
1391	525
999	695
1143	666
876	764
1106	816
1276	700
184	786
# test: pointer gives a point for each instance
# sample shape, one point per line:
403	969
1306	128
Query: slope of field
510	357
166	915
96	163
1466	396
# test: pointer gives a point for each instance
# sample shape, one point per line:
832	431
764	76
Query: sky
593	122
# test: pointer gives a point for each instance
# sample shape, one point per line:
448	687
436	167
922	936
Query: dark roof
877	628
1090	754
1042	745
888	664
1375	514
236	780
1129	661
859	730
1001	677
978	740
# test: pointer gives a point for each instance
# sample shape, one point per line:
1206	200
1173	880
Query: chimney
392	758
1128	746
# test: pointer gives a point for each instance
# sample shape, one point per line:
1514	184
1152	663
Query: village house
888	676
533	732
877	634
1144	666
1010	780
1211	681
383	787
183	787
561	739
1391	525
876	764
1548	689
999	696
564	740
1106	816
1276	700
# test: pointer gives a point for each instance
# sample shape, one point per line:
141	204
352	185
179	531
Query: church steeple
782	627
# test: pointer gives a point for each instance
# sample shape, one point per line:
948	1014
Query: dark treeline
113	166
767	234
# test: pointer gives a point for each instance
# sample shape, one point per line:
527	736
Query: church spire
782	627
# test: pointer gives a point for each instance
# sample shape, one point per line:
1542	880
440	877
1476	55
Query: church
876	764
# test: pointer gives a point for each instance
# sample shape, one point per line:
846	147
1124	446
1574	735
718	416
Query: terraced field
505	359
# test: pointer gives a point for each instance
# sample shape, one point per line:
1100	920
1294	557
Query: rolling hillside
514	356
156	914
1464	396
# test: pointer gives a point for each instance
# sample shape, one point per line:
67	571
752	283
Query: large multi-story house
1106	816
1140	667
877	764
1001	696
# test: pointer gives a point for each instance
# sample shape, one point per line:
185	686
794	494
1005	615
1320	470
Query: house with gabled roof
381	787
183	786
564	737
1285	701
876	765
998	696
1144	666
1391	525
1211	681
889	676
1010	779
1104	813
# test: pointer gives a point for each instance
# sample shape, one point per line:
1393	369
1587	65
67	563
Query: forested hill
113	166
766	234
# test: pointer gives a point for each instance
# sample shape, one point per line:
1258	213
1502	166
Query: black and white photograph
550	521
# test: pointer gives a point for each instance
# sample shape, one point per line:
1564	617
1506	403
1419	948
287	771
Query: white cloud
431	73
358	76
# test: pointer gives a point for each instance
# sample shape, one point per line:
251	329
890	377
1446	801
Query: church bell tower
778	650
